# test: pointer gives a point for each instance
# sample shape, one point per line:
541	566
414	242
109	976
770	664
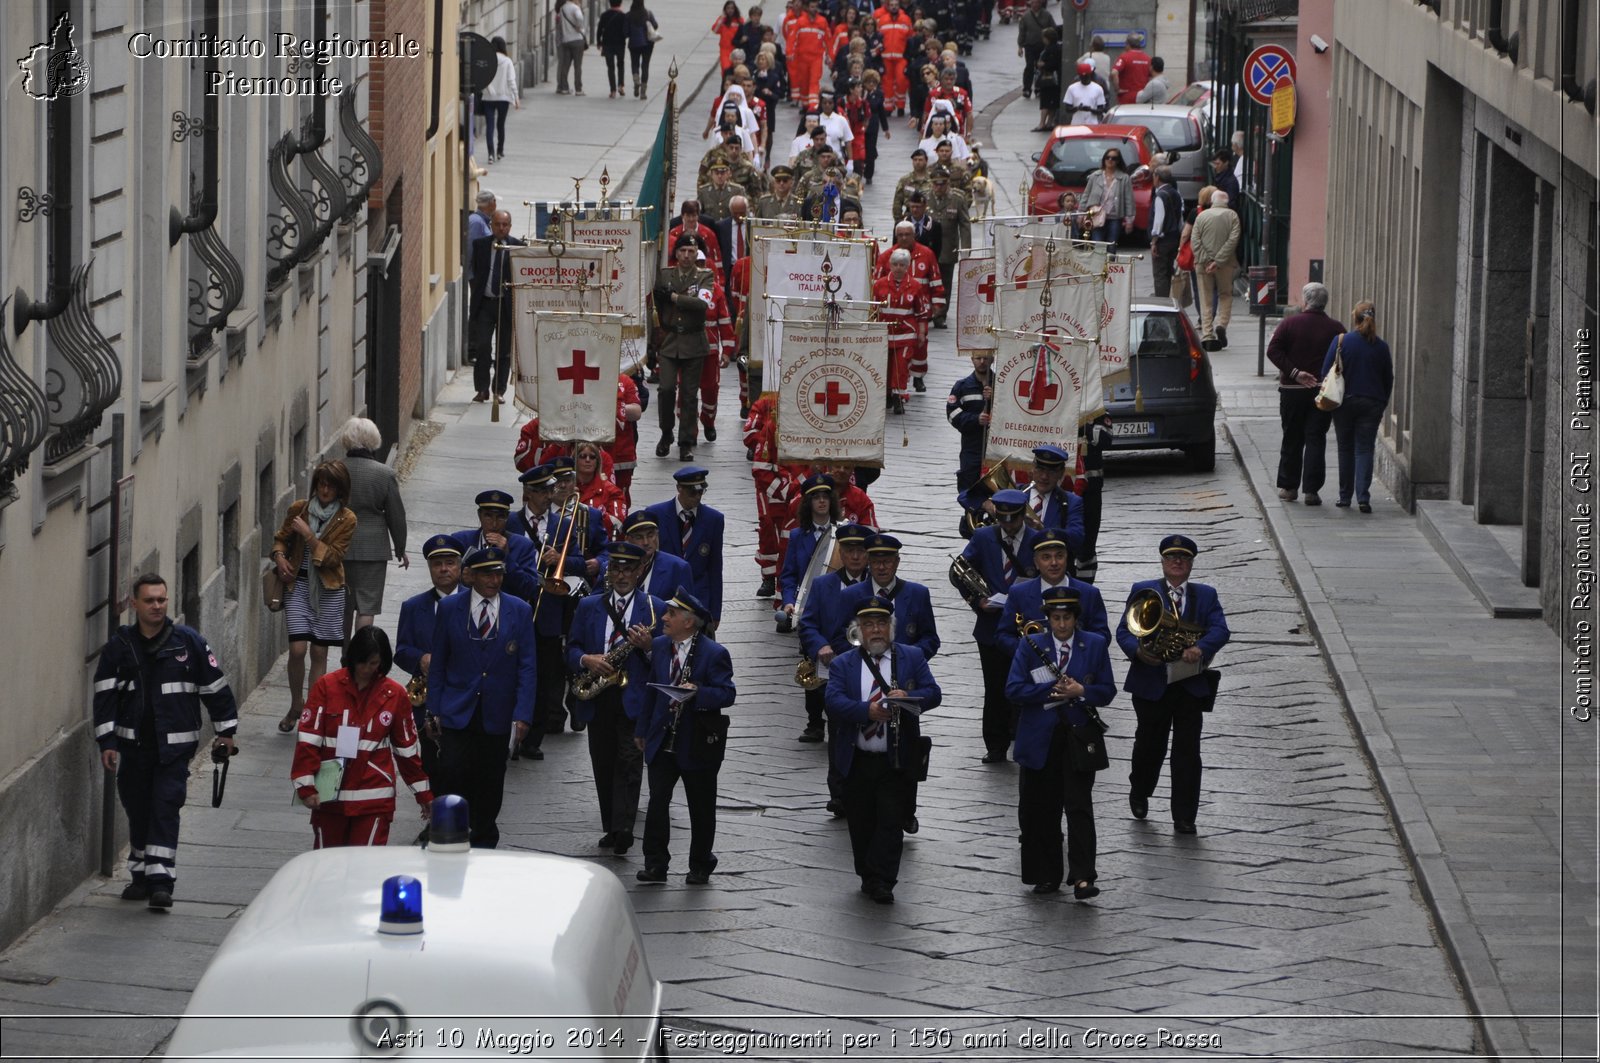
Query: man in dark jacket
489	321
1297	348
152	678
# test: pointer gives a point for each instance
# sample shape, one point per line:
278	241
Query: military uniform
743	172
683	299
714	200
773	205
952	210
914	181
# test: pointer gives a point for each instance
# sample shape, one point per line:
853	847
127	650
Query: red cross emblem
832	399
579	371
986	288
1038	389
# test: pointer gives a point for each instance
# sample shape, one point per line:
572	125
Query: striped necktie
874	728
484	624
619	620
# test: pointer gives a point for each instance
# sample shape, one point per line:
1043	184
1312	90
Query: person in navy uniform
1003	554
1056	678
673	736
589	538
967	410
660	574
481	683
1053	561
692	530
819	508
152	678
1164	707
494	511
530	521
605	622
1051	504
824	635
413	641
914	623
877	745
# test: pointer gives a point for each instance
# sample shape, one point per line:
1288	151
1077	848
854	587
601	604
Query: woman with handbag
356	734
643	33
309	553
1364	363
1108	197
1058	679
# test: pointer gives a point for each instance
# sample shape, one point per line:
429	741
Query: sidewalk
1490	783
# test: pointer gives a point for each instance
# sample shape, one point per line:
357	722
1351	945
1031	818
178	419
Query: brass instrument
968	581
677	706
417	690
999	478
805	673
586	686
1027	627
1161	632
822	560
557	581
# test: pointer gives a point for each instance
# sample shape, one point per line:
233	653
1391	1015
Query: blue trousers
1355	426
152	794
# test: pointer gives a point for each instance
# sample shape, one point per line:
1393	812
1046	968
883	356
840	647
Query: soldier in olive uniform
806	159
952	209
960	173
742	170
683	296
781	201
917	180
715	197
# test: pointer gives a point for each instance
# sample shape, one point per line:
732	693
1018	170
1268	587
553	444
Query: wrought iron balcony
23	417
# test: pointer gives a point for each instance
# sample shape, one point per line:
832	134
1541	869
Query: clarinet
894	714
677	707
1089	710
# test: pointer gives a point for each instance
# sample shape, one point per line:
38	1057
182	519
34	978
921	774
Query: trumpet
417	690
1161	632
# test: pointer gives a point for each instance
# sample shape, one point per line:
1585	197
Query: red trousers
769	540
805	78
710	382
895	86
901	357
335	829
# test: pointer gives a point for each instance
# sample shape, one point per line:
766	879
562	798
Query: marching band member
1003	554
684	739
1052	505
908	309
819	510
659	574
876	694
1054	563
822	630
604	623
481	684
1164	707
1057	679
688	528
413	641
537	481
590	536
494	513
914	623
967	410
855	505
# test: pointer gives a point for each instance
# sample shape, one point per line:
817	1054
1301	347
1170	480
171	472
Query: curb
1466	953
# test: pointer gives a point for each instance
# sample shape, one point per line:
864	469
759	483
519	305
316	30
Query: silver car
1177	128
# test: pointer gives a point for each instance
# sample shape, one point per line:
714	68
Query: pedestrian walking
309	551
574	33
380	522
1166	230
1156	90
1108	197
489	318
1030	41
611	35
1368	370
643	32
1214	237
727	28
497	100
1298	347
1047	80
152	678
357	736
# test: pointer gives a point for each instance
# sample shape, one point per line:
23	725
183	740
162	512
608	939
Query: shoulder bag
273	589
1331	393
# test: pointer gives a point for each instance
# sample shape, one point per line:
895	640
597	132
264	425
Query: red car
1073	152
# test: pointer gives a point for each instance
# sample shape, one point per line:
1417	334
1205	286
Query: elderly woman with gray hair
380	521
1298	347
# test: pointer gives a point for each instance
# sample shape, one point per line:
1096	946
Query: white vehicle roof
514	946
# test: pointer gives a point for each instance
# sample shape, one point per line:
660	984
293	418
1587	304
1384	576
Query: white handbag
1331	393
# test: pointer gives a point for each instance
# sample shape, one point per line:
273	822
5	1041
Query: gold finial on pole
605	184
529	204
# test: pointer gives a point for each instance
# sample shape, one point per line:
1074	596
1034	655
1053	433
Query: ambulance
436	953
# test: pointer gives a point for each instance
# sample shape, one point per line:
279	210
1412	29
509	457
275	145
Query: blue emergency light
402	906
449	825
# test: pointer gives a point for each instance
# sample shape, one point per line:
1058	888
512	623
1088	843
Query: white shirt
880	743
1183	596
799	144
839	134
574	25
478	601
503	89
1081	99
959	152
623	604
1158	213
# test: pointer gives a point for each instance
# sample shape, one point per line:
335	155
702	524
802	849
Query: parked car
1169	376
1073	152
1202	96
1179	129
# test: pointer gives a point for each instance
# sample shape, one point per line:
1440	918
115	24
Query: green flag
656	191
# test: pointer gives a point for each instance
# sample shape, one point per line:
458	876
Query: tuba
1161	632
968	581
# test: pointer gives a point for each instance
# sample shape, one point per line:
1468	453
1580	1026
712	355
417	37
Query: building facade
203	247
1461	199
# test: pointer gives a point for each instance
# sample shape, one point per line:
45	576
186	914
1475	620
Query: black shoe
700	876
1184	826
534	754
785	623
940	324
664	447
836	808
1047	887
607	840
651	874
652	377
577	727
685	454
622	842
1084	890
1365	507
136	891
1222	337
917	385
768	588
744	413
897	405
911	825
749	453
881	894
812	733
160	899
711	433
994	758
1140	806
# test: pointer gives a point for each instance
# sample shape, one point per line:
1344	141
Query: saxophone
586	686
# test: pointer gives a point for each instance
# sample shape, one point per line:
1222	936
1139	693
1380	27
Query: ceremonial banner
1075	311
832	392
792	266
1116	313
542	283
622	230
1038	384
579	359
975	301
782	310
1020	245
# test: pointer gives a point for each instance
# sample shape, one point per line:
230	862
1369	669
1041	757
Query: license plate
1132	428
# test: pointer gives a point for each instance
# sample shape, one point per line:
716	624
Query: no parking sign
1265	69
